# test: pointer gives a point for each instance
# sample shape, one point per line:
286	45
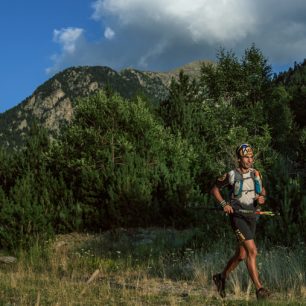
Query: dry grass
137	268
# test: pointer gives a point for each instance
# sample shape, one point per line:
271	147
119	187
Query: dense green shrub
286	195
122	165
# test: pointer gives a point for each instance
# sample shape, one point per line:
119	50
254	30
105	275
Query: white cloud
155	51
71	41
163	34
109	33
202	19
68	38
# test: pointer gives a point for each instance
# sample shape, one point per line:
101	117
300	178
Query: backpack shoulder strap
256	176
237	183
238	175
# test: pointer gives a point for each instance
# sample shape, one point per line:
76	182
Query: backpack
237	186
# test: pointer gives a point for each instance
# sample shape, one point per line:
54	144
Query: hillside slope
51	105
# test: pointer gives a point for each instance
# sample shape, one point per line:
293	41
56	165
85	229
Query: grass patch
145	267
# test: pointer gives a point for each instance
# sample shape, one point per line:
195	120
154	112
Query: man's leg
219	279
251	253
235	260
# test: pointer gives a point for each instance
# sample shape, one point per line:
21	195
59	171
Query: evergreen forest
128	163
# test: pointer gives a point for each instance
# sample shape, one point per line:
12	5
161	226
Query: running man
247	191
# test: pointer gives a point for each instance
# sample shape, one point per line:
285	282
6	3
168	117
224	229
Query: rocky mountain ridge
51	104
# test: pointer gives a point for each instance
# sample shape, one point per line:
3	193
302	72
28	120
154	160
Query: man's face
246	162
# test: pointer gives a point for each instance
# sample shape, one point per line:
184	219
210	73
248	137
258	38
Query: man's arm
262	197
215	191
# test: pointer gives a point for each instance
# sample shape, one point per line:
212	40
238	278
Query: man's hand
261	200
228	209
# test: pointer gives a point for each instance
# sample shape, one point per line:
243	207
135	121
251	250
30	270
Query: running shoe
262	293
219	281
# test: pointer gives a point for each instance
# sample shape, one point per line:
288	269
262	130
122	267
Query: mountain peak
51	105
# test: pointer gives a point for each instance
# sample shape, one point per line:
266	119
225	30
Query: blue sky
40	37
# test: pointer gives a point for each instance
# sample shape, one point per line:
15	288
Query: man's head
245	156
244	150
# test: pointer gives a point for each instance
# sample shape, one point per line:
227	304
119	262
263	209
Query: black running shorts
243	227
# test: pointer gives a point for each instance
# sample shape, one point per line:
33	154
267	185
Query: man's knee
241	254
252	252
250	248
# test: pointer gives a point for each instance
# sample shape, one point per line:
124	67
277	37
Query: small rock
8	259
